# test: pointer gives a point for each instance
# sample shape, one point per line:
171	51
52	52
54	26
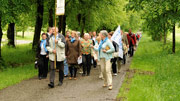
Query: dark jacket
38	50
72	51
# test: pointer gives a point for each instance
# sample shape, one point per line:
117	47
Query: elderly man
56	47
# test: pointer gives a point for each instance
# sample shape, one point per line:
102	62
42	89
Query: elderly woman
73	52
42	55
86	44
105	51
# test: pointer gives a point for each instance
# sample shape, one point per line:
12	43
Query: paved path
84	89
18	42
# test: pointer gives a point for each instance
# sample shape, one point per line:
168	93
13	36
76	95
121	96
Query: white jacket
60	48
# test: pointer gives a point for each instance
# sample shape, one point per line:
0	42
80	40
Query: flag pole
55	34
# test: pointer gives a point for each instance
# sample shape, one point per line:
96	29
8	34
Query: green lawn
20	55
156	76
11	76
18	65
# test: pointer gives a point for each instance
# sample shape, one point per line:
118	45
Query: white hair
104	33
86	34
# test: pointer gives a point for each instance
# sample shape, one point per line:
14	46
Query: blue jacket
108	54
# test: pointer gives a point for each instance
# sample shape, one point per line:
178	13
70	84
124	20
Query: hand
104	50
127	46
92	46
56	41
54	51
80	56
47	56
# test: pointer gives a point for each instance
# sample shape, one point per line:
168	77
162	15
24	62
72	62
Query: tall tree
1	34
158	14
39	22
11	34
51	12
13	9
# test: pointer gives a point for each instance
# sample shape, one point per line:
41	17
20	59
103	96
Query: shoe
115	74
43	77
75	78
60	83
80	72
40	78
70	78
83	74
110	87
104	85
51	85
65	75
88	75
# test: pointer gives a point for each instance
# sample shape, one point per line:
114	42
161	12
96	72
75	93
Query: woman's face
72	34
86	37
102	36
44	37
109	36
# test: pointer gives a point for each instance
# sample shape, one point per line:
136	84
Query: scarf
72	40
44	44
102	42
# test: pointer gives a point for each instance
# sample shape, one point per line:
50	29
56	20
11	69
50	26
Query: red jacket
131	37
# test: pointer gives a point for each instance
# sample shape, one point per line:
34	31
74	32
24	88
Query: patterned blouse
86	46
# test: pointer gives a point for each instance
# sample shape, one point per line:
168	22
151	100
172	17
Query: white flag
117	37
60	9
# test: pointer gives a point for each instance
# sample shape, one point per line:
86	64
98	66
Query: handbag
116	54
38	62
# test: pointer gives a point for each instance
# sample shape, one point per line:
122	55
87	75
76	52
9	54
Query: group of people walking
72	53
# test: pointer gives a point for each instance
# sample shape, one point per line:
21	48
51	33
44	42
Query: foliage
159	15
101	14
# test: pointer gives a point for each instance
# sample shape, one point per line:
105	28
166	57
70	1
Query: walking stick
61	4
55	35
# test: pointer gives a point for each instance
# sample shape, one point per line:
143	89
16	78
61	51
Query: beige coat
60	48
125	39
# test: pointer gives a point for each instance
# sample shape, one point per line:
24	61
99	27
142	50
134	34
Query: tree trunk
165	37
10	34
1	34
23	34
83	26
174	39
64	25
165	33
51	17
39	21
160	36
60	23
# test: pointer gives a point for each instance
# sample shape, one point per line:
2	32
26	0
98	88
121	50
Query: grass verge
154	74
19	65
11	76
